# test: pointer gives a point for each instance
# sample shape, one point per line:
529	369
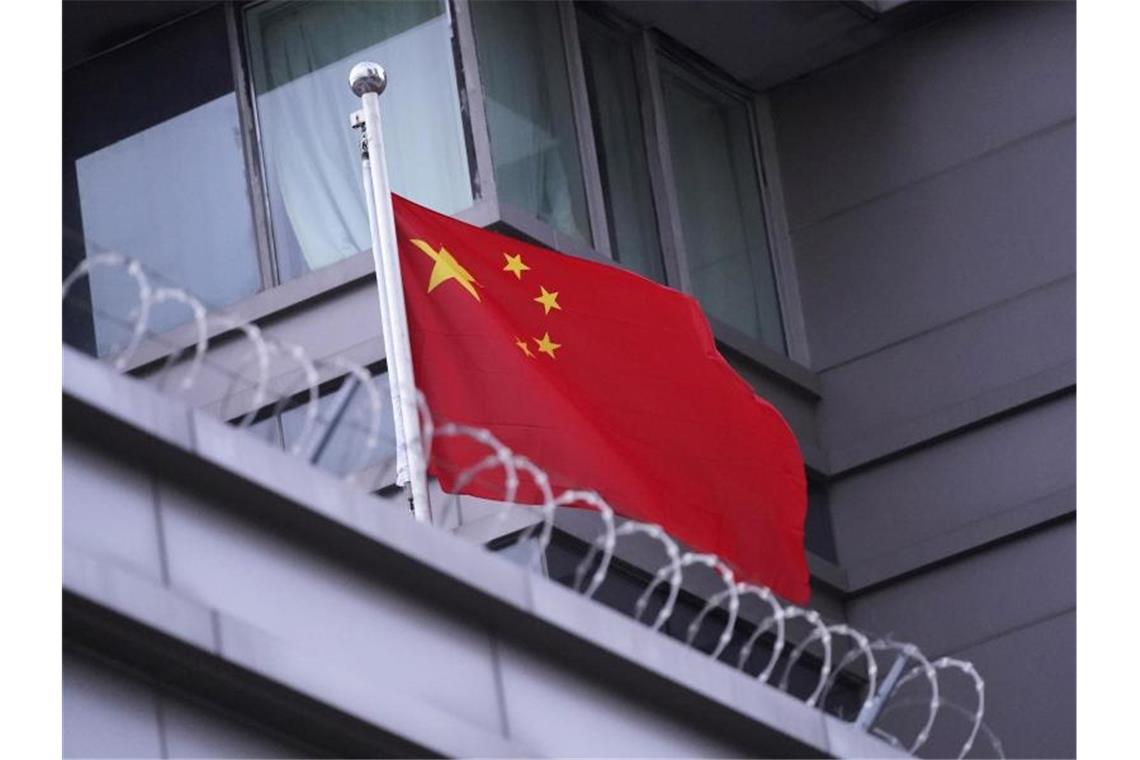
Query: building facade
873	202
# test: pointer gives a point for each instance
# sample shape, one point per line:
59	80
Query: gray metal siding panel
1031	687
962	604
948	246
958	361
923	102
956	481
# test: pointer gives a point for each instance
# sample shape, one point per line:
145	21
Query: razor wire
775	632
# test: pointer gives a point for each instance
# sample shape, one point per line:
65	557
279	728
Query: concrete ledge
312	509
150	640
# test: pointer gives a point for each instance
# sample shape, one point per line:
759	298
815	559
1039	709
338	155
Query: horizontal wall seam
964	317
921	556
1006	632
948	169
855	56
951	420
168	661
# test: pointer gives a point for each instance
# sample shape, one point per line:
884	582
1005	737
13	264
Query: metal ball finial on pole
367	76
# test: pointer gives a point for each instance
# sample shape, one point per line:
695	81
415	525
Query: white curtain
302	55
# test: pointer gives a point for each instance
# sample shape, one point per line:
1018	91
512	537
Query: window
719	203
300	55
337	439
526	88
615	108
682	194
153	168
597	134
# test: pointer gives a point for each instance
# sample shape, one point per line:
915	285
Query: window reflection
526	88
337	440
615	108
301	54
718	196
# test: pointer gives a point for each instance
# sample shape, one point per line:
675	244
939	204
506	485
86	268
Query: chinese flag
607	381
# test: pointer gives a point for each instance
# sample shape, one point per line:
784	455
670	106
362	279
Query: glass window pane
616	112
268	430
526	91
345	434
301	53
154	169
718	195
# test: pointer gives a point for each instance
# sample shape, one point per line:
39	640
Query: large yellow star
546	345
548	300
523	347
515	265
447	268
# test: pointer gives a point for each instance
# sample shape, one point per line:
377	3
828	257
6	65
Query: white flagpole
402	476
368	80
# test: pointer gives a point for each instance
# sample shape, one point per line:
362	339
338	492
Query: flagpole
368	80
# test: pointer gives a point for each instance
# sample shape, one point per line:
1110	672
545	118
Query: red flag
606	380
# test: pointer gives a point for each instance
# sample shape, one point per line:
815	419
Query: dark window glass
819	539
153	169
615	108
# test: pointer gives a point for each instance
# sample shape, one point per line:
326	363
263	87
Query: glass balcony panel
154	170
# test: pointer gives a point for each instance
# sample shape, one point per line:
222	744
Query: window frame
488	210
251	143
511	218
465	69
655	49
277	298
649	48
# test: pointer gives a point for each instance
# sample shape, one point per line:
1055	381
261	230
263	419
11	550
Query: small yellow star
525	348
515	265
546	345
447	268
548	300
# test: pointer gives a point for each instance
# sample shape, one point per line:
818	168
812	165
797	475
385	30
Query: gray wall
111	713
930	191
